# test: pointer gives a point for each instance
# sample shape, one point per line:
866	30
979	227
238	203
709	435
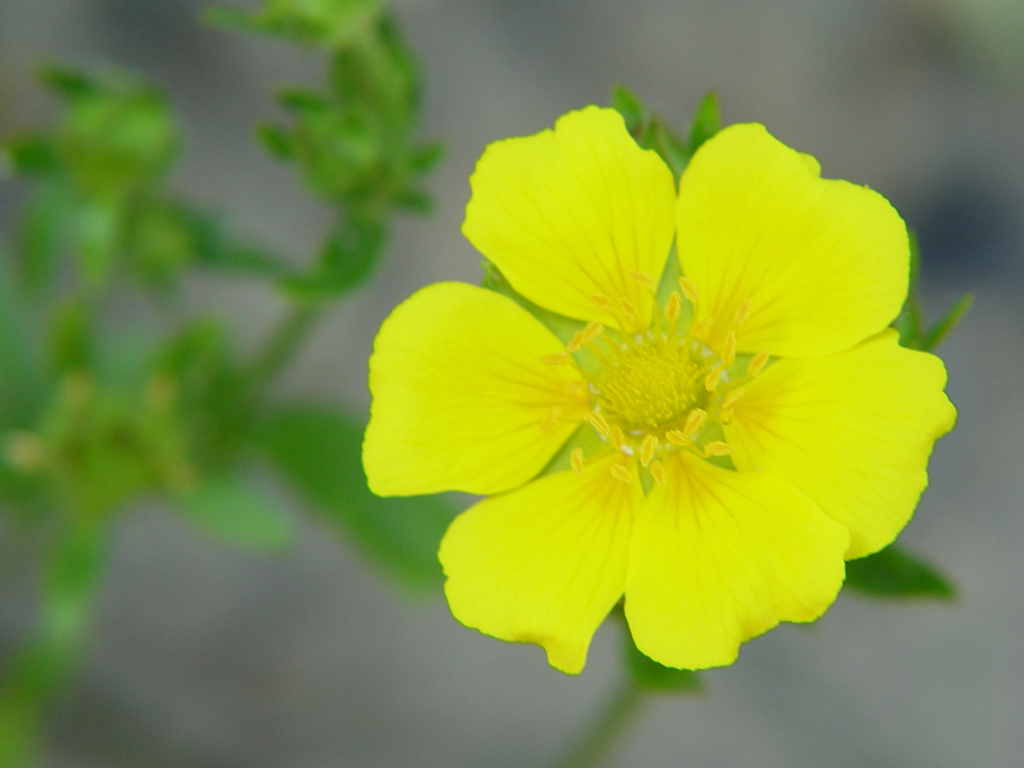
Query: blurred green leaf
43	232
22	385
216	248
328	23
938	332
99	227
894	573
231	510
706	122
347	258
71	344
651	132
652	676
30	154
319	451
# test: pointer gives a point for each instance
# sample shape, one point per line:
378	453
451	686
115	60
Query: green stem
283	344
602	734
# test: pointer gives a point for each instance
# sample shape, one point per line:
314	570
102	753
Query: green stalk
606	730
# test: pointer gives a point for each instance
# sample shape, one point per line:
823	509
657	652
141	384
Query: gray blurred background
207	656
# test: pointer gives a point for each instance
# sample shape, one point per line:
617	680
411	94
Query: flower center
663	389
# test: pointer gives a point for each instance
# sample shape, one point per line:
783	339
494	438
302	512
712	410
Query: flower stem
283	343
611	723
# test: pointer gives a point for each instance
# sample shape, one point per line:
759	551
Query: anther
743	312
658	472
695	421
732	398
630	310
619	472
700	328
576	461
617	437
598	422
689	290
674	307
584	337
551	419
647	449
603	302
718	448
757	363
712	380
559	358
729	348
645	280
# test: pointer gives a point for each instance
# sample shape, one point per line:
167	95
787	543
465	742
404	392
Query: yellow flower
738	432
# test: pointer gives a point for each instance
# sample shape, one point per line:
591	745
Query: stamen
630	309
676	437
674	307
603	302
743	312
757	363
689	290
599	423
647	449
732	398
550	420
559	358
712	380
619	472
617	437
700	328
718	448
658	472
695	422
729	348
576	461
645	280
584	337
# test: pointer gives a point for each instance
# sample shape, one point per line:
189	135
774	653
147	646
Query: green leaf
706	122
894	573
22	387
938	332
348	256
652	676
43	231
233	511
319	451
31	154
71	344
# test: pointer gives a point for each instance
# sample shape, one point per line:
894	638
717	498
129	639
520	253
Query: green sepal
706	122
892	573
938	332
230	509
563	327
649	675
319	450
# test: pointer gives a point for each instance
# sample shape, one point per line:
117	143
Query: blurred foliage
96	413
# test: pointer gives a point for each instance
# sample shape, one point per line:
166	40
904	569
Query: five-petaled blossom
709	447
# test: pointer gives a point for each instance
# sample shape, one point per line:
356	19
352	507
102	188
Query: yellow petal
543	564
718	557
567	214
852	430
461	397
823	262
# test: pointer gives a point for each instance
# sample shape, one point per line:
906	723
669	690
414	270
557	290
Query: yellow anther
551	419
647	449
712	380
757	363
676	437
729	348
658	472
584	337
645	280
674	307
576	461
695	422
576	387
617	437
603	302
718	448
700	328
743	312
597	420
629	309
689	290
559	358
620	472
731	398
